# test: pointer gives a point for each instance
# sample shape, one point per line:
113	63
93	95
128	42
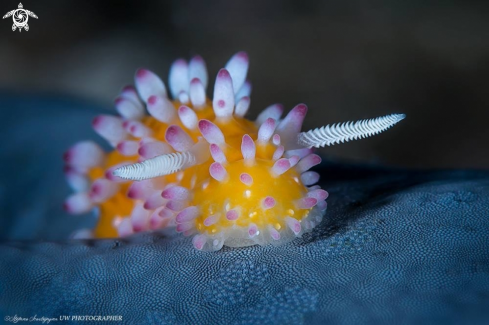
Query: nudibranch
200	166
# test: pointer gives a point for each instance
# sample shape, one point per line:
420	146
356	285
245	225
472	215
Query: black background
346	60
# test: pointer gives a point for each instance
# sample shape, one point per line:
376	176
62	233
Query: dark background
346	60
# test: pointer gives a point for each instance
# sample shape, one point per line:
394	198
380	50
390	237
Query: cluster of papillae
200	166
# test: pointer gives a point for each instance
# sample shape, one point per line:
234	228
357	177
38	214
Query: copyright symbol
7	318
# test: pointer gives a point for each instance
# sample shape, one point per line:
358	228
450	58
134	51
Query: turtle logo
20	17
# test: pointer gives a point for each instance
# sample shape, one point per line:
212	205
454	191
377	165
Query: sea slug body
200	166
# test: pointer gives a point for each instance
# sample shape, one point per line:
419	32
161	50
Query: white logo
20	17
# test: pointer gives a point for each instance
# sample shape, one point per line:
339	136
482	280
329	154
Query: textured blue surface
396	246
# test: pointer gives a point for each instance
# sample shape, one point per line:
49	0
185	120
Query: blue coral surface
395	247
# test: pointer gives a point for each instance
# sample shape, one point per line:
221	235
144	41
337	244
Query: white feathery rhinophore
341	132
165	164
157	166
